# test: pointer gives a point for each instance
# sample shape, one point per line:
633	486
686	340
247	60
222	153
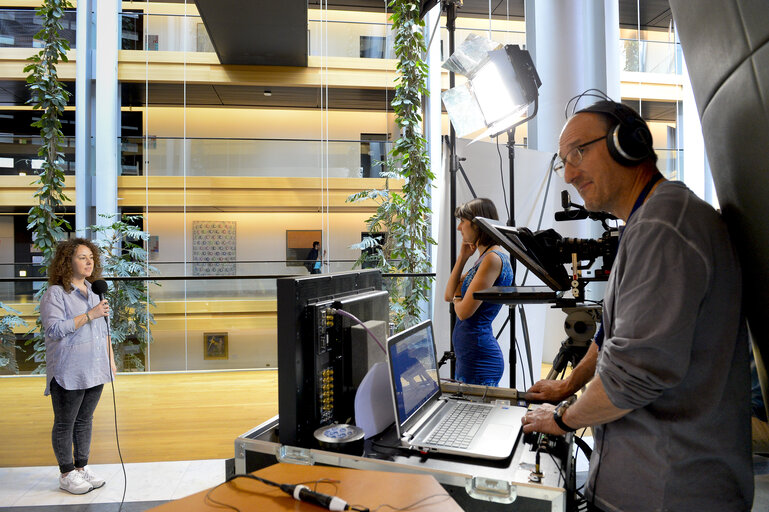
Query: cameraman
670	405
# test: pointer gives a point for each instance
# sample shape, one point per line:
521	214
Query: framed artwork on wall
215	345
299	244
214	248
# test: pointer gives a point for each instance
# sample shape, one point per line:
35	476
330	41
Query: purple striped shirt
77	358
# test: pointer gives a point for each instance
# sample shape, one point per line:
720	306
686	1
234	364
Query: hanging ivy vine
49	96
405	216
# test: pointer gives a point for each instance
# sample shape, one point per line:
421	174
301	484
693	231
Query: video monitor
323	355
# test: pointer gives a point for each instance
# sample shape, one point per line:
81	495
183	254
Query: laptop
423	416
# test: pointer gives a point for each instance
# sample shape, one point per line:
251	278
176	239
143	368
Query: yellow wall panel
14	60
204	68
254	192
212	323
215	306
20	190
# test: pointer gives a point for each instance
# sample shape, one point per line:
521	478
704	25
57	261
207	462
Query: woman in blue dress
479	358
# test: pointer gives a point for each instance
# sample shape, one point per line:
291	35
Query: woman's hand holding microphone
99	311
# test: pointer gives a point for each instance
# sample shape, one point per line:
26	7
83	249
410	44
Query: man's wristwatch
560	409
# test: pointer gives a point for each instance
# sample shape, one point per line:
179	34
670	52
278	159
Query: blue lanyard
644	194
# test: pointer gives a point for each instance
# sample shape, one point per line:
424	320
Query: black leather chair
726	47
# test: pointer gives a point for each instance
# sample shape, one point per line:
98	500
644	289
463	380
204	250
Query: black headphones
629	139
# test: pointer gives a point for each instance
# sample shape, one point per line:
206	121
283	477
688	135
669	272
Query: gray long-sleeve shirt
77	358
676	354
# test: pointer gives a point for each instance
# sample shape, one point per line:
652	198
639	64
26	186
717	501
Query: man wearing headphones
669	404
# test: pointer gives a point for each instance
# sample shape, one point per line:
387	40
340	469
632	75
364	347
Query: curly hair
60	269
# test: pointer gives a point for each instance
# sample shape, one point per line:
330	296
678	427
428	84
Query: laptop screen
414	369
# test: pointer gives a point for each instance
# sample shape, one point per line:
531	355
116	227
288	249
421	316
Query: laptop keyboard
459	426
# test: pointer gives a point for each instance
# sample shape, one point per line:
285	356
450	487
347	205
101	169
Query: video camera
546	252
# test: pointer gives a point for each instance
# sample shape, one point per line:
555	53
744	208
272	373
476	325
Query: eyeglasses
573	157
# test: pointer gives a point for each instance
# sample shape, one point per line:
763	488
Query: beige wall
245	309
263	123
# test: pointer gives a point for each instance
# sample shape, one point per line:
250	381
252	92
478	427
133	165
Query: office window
372	47
373	153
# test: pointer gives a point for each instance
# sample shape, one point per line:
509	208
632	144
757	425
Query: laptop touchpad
498	431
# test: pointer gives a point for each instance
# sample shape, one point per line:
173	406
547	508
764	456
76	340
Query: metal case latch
294	455
489	489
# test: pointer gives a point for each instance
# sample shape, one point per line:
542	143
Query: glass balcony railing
651	56
164	32
157	156
19	26
241	309
670	163
350	39
18	155
179	33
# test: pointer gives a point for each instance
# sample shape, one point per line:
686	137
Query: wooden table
365	488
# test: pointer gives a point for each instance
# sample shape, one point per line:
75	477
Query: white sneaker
91	478
74	482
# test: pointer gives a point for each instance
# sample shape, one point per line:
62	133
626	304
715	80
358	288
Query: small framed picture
215	345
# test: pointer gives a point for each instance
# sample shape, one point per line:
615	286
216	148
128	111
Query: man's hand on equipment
549	391
541	420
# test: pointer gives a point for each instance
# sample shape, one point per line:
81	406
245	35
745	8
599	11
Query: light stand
450	6
451	18
511	70
511	222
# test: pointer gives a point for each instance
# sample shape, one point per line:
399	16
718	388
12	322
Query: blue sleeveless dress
479	358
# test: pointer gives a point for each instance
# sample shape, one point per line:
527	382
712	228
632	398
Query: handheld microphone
100	287
303	493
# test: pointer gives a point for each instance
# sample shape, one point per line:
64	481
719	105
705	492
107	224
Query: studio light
502	83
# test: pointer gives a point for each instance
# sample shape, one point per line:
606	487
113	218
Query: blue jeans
72	424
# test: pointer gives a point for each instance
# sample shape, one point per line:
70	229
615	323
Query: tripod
580	327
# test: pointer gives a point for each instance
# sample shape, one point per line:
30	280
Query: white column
574	44
84	101
107	121
693	143
575	47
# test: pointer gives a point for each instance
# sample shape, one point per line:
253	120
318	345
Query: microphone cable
301	492
117	437
100	288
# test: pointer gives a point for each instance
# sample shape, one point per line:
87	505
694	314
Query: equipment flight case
475	484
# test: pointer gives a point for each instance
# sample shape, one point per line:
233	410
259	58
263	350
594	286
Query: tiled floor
36	489
149	484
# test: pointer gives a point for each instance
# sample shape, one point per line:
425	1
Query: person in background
78	356
479	358
313	262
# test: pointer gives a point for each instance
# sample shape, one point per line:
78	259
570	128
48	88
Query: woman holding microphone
79	359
